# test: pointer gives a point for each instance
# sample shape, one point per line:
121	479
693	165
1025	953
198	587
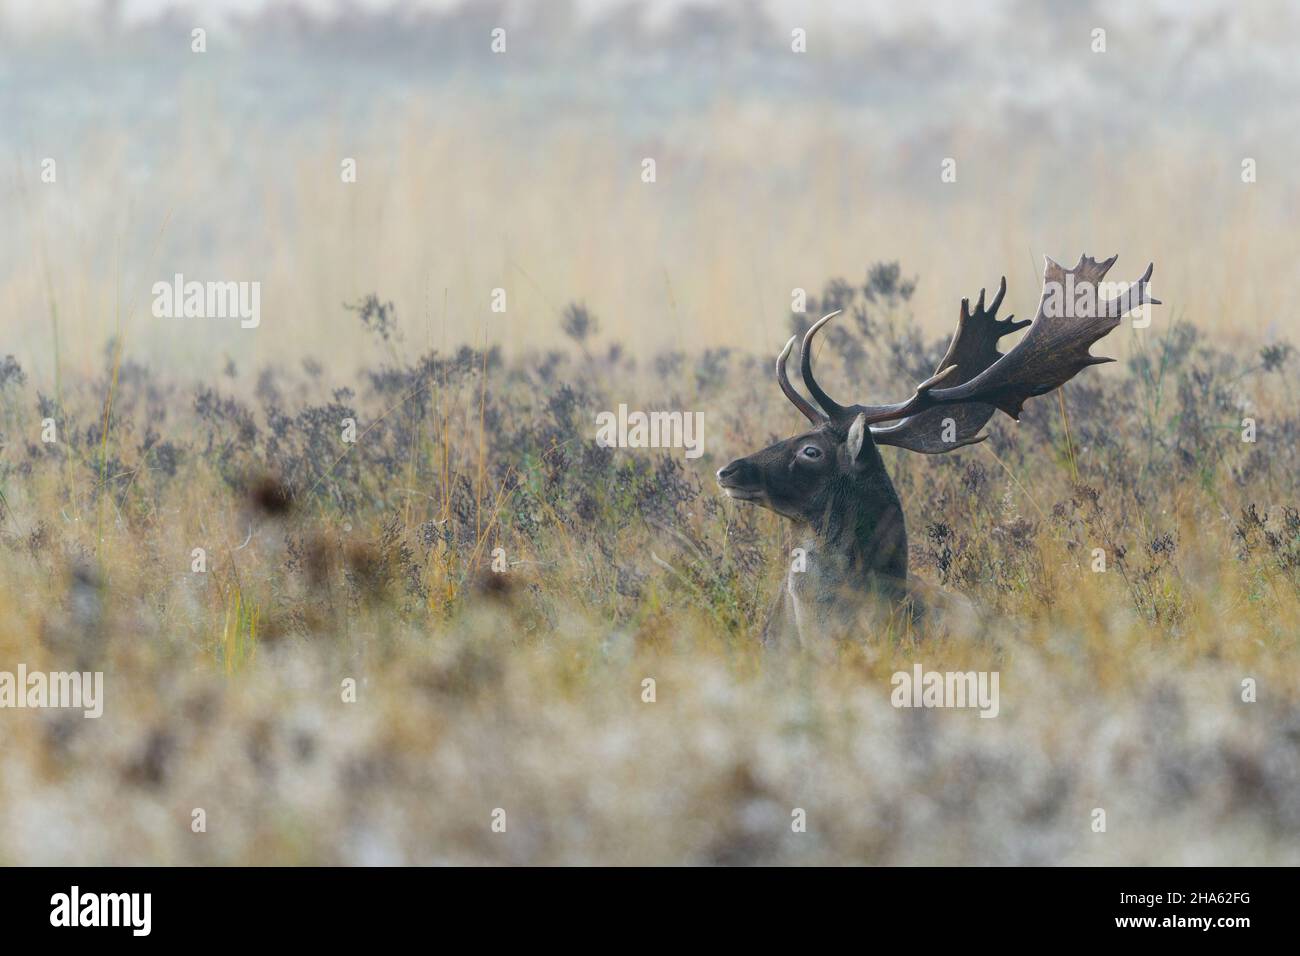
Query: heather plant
498	584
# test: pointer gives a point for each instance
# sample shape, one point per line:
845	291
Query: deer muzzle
740	479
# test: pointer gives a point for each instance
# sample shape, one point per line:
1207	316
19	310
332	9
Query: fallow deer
831	480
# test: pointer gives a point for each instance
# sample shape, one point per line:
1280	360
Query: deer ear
857	433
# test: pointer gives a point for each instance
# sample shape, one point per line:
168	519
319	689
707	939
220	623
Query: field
431	644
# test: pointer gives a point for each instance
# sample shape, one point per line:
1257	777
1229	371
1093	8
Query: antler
976	378
828	405
1054	350
827	408
799	402
974	348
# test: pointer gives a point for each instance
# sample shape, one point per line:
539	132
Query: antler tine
829	405
799	402
1146	277
997	299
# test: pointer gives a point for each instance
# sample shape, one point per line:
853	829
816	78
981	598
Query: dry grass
523	691
708	255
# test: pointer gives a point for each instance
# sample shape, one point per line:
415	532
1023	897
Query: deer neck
861	532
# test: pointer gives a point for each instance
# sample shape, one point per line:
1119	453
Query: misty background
522	170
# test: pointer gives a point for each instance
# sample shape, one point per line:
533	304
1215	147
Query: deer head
808	476
803	477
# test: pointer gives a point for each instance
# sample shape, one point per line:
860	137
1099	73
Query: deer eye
811	451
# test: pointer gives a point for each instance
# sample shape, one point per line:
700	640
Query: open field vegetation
523	690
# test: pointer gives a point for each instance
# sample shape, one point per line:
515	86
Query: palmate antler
976	378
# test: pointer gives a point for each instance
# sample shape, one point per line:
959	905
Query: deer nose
728	470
